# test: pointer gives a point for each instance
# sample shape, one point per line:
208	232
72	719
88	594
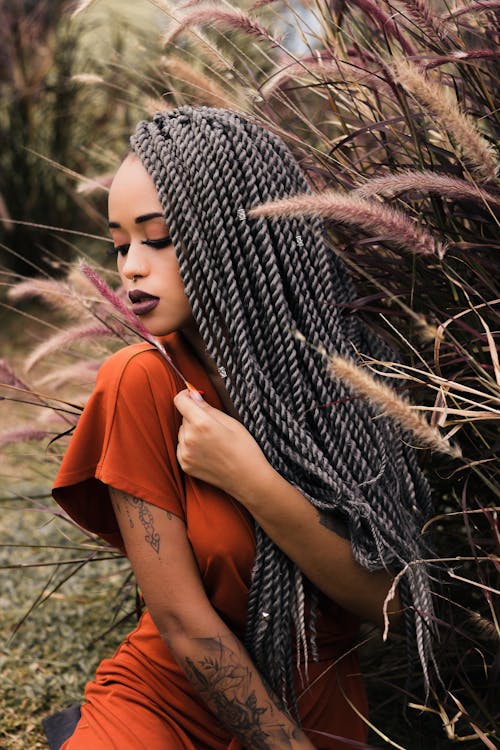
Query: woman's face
145	255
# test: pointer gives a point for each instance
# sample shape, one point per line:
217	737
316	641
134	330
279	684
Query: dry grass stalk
64	339
205	89
56	294
22	436
370	216
262	4
459	127
217	15
82	5
9	377
90	78
89	185
5	217
426	182
482	5
322	69
425	19
77	373
460	56
385	22
390	404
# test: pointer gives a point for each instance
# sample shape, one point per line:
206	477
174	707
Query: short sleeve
126	438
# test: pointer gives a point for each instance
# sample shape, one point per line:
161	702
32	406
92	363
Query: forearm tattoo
226	686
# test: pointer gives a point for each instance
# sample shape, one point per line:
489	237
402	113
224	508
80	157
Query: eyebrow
138	219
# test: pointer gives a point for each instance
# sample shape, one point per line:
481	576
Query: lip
142	302
146	306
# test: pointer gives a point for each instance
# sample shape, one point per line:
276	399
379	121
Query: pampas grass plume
210	13
460	128
115	300
321	68
9	377
370	216
385	22
56	294
426	182
76	373
421	13
207	90
485	627
66	338
22	436
482	5
390	404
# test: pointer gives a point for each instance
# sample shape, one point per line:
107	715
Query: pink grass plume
128	316
216	15
425	181
9	377
22	436
385	22
368	215
483	5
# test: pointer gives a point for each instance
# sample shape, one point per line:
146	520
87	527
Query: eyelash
157	244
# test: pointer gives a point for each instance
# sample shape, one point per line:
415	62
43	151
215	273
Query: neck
197	345
192	336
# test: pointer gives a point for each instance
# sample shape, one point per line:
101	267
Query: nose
134	264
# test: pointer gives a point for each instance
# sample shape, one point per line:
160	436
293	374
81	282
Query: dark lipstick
142	302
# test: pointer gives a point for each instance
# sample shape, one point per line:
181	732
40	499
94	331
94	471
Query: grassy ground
47	661
45	664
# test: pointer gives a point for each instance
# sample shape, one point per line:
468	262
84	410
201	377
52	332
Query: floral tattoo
225	684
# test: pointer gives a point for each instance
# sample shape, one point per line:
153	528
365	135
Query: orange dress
126	438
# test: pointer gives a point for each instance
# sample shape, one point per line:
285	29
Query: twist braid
252	285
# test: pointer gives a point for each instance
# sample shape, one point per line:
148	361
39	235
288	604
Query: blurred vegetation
70	92
393	105
46	663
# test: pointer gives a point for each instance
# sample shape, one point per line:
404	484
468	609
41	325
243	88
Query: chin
157	329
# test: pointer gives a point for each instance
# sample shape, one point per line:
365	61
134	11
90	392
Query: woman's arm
212	658
218	449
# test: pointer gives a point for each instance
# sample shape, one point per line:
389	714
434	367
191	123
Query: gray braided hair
252	284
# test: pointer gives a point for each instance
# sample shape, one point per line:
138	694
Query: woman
174	478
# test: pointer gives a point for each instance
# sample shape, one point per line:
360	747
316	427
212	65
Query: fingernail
196	395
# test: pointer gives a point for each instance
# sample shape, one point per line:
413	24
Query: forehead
132	192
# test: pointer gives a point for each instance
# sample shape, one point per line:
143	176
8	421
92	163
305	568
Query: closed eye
158	244
162	242
118	250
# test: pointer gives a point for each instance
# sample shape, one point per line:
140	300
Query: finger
188	404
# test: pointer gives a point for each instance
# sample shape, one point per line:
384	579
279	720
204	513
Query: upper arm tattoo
145	516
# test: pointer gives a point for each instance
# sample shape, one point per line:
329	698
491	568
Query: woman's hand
216	448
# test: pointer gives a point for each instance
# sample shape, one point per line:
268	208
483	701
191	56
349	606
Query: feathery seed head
369	216
459	127
389	403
